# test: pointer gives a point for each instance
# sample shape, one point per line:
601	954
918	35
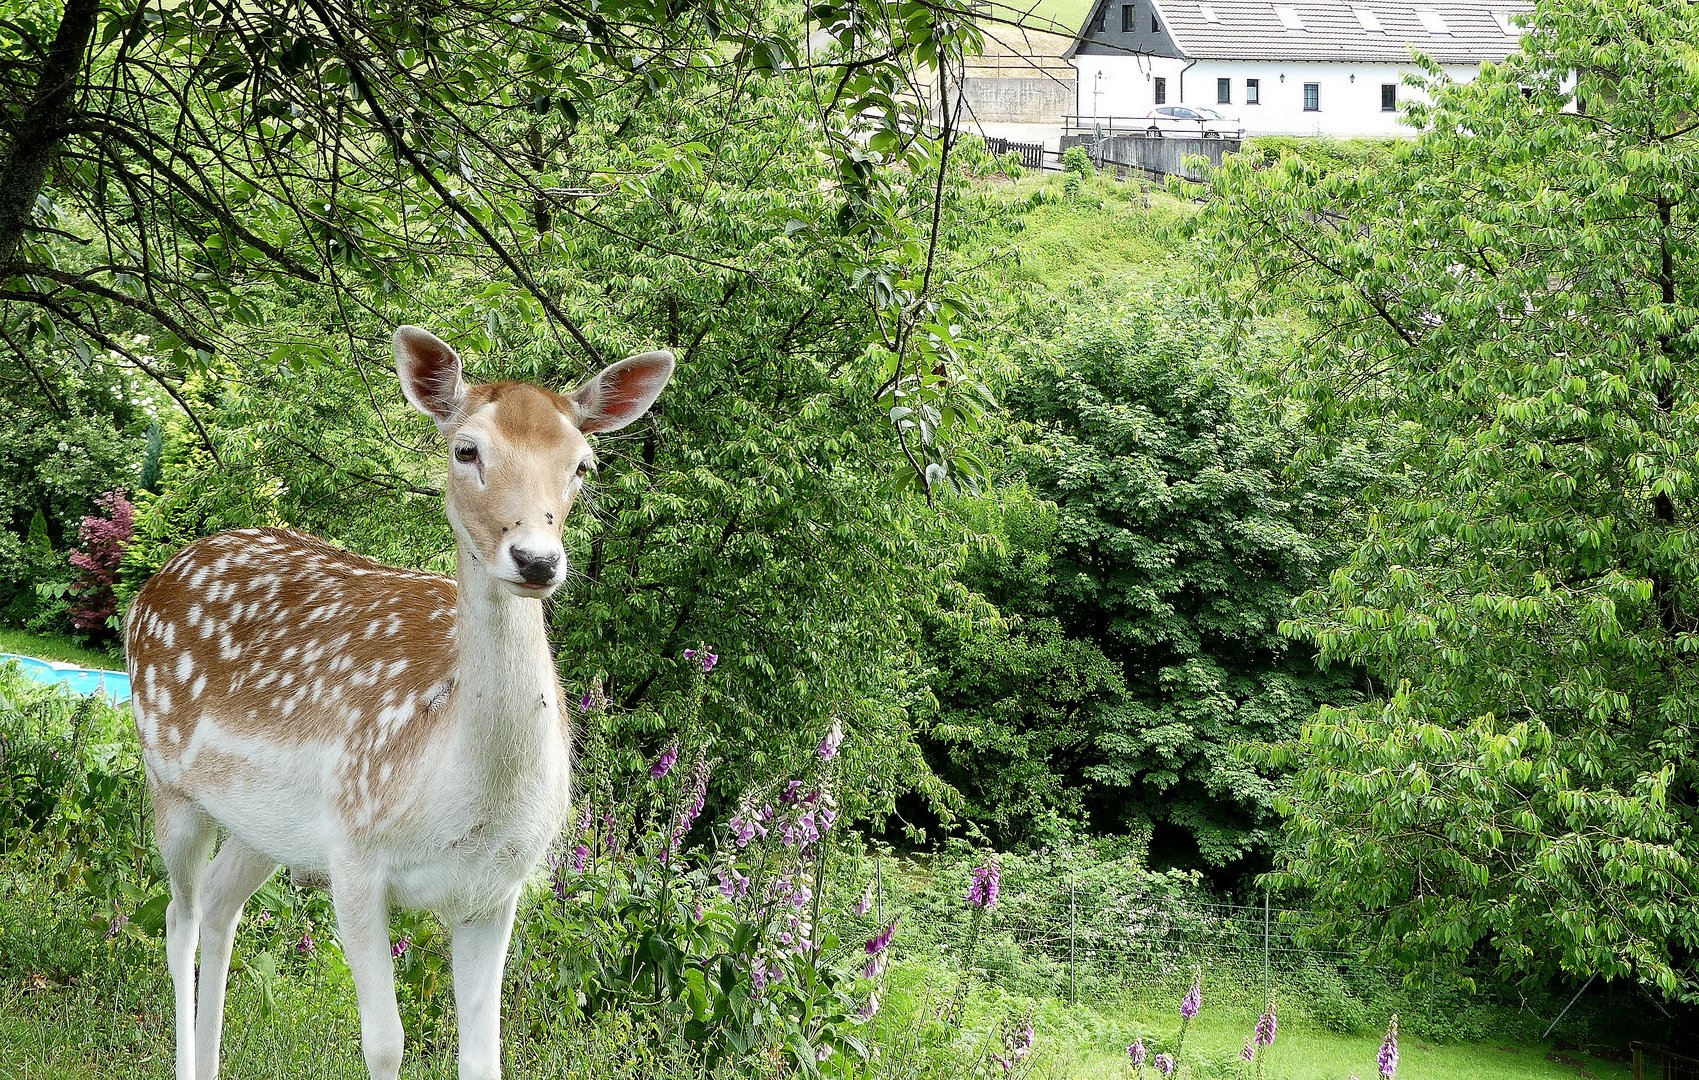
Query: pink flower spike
986	881
664	764
881	941
828	748
865	904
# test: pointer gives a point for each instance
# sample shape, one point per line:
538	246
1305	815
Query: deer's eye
465	454
584	469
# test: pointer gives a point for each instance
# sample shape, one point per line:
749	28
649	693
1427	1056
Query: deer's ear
622	392
430	373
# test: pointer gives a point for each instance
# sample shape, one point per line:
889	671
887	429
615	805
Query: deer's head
518	454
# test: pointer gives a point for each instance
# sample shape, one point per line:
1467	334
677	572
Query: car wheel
1153	132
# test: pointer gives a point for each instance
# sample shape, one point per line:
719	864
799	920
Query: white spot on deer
194	614
228	649
200	684
185	666
199	577
163	699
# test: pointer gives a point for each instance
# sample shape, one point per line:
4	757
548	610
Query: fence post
1073	998
1267	987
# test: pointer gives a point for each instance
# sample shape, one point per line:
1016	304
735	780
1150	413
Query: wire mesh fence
1078	936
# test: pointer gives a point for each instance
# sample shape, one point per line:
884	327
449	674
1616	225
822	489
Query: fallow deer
400	733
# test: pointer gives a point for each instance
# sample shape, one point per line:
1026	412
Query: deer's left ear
430	373
622	392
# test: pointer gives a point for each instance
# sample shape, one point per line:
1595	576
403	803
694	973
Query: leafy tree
1517	288
159	162
1147	645
753	512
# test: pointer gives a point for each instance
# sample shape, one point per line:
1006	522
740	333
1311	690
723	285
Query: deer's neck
506	688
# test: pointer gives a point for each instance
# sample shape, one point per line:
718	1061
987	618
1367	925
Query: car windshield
1210	114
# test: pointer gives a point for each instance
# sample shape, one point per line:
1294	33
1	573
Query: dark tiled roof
1252	30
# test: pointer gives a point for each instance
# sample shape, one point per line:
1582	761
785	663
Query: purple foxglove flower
697	795
305	946
1388	1057
1136	1053
594	700
986	881
881	941
1249	1053
865	904
828	748
1266	1027
263	918
116	923
580	855
733	884
869	1010
1193	1000
1164	1064
790	791
664	764
401	946
875	965
703	656
1020	1043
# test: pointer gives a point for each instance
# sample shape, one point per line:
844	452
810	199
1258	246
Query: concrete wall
1350	93
1166	156
1019	100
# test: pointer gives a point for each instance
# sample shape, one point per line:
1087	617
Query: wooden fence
1032	154
1658	1063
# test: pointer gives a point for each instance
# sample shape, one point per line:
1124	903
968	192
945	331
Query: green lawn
1112	238
1056	16
79	1033
43	647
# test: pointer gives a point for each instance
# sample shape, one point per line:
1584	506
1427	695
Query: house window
1224	91
1155	27
1127	18
1388	97
1312	97
1161	90
1103	17
1253	91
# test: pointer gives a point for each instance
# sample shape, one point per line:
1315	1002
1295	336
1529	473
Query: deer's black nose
535	569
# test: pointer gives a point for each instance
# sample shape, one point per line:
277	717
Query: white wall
1349	92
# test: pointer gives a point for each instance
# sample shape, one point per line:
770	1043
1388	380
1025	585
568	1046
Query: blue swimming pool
114	684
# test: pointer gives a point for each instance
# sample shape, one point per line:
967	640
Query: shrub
104	537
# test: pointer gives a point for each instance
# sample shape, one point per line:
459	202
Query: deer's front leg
362	922
480	955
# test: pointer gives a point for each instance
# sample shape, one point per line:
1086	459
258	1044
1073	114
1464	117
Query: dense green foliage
1146	566
632	962
1519	290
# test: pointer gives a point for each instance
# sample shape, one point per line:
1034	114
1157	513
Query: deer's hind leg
236	873
185	836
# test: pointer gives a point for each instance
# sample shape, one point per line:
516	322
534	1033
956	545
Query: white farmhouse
1309	67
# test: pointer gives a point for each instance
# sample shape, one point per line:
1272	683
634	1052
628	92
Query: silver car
1191	121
